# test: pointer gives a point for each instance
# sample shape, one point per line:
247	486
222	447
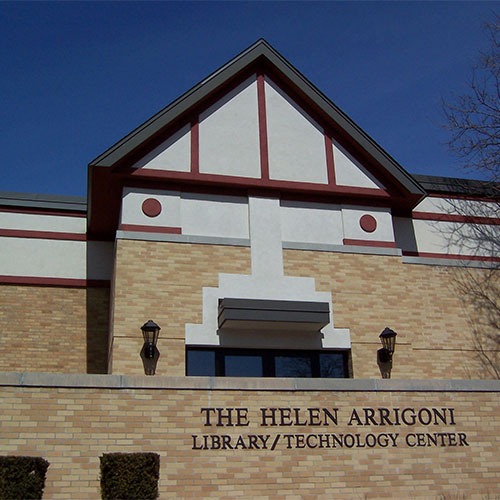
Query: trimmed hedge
22	478
129	476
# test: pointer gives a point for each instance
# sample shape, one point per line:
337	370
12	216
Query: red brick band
368	243
151	229
44	235
455	218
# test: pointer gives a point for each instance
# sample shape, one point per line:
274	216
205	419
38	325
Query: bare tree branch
473	121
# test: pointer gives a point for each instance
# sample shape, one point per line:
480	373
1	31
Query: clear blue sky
77	77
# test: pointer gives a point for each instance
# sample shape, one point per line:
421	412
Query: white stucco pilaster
265	237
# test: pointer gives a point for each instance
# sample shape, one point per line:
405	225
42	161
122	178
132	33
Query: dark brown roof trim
456	186
43	201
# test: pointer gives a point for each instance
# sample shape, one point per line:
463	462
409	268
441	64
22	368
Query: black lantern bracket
385	353
149	352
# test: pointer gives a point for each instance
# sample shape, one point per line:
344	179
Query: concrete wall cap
59	380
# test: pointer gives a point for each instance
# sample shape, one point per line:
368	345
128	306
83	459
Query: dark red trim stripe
44	235
455	218
44	211
330	161
61	282
264	149
368	243
326	195
151	229
195	145
248	182
431	255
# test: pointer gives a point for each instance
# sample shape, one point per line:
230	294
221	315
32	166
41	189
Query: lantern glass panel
388	339
150	332
149	336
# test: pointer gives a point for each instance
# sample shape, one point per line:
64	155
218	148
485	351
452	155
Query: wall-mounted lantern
384	355
149	352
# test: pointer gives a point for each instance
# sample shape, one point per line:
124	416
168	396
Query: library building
254	301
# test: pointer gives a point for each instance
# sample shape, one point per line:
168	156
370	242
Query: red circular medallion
368	223
151	207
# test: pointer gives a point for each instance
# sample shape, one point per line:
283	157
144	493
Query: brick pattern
71	428
369	293
53	329
420	303
126	356
163	281
56	329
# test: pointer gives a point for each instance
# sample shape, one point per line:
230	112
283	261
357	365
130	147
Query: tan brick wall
163	282
71	428
53	329
420	303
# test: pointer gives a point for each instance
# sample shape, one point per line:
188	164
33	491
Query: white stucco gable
260	134
229	134
173	154
350	172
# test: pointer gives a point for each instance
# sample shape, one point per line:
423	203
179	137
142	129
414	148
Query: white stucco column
265	237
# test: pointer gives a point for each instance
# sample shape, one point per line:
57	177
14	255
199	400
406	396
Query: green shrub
129	476
22	478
